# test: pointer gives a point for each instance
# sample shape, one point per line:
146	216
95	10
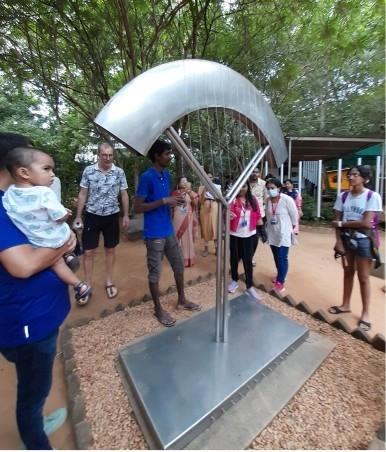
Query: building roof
326	148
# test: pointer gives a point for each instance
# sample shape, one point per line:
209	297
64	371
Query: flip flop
111	291
165	320
337	310
363	325
189	306
84	300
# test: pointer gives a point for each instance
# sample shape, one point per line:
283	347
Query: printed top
103	189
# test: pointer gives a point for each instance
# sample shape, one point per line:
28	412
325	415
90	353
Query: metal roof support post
282	172
300	175
339	180
225	275
289	158
359	161
319	195
265	168
377	173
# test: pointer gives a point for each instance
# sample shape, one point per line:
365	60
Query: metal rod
377	173
339	179
219	274
245	174
289	158
181	146
300	176
266	168
225	304
319	200
282	173
359	161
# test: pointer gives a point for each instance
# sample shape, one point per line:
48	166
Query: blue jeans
280	254
34	363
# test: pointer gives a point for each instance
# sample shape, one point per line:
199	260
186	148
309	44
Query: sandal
337	310
364	326
111	291
82	296
337	255
189	306
72	261
164	319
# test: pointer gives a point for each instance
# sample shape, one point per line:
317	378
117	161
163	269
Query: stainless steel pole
282	172
300	177
219	271
225	303
245	174
266	168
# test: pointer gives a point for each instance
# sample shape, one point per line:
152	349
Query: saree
185	226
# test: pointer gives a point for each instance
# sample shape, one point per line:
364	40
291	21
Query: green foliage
327	211
308	207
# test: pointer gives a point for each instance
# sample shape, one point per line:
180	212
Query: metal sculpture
149	105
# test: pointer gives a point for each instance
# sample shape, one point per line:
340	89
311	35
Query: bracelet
340	224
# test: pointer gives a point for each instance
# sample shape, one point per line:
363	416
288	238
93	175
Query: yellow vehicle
330	181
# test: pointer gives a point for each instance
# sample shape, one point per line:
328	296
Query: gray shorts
156	248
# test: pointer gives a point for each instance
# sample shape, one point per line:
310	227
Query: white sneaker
233	286
252	292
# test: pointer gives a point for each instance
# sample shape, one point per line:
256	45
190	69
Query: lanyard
276	204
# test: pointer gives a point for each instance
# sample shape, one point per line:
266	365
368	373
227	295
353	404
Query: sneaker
279	287
54	420
252	292
233	286
273	280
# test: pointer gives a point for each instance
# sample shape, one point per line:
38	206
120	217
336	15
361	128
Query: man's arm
82	198
23	261
125	208
140	206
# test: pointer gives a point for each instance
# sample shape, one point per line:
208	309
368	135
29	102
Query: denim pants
34	363
280	255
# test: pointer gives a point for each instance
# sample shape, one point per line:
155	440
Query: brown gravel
339	407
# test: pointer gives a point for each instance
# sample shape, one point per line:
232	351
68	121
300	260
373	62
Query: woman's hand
339	248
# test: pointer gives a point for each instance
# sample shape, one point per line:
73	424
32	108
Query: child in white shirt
35	210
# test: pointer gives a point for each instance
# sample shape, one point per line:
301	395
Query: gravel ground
339	407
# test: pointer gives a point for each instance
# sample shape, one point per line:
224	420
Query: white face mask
273	192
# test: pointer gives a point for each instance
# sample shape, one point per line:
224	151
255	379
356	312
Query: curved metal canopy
150	103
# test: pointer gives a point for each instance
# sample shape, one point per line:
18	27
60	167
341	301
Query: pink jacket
236	209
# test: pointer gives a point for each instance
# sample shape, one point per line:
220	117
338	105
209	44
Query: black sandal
337	255
82	297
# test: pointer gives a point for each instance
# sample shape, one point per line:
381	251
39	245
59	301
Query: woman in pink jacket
245	217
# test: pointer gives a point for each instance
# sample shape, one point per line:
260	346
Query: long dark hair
250	199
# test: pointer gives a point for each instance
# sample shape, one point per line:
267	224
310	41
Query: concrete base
237	428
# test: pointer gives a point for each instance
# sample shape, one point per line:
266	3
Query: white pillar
289	158
359	161
319	196
377	173
300	175
282	172
265	167
339	177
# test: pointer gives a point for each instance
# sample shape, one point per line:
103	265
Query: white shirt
35	211
56	186
258	190
285	214
243	228
355	206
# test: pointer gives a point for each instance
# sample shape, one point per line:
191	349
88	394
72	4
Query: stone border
82	429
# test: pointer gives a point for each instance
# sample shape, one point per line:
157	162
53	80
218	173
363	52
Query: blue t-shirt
31	308
153	186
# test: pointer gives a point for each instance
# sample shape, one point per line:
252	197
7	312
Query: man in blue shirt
33	304
154	199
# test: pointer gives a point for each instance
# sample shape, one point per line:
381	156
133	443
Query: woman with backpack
356	214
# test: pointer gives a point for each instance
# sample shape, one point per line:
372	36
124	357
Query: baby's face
41	170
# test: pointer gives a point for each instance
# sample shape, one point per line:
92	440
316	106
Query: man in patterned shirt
100	187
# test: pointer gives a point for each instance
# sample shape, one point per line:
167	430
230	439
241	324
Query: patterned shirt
103	189
258	190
